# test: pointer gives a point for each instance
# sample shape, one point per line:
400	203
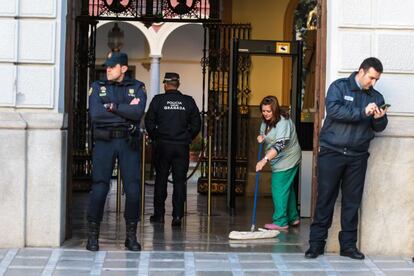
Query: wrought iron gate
92	11
216	71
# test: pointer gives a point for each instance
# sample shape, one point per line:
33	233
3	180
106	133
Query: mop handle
256	189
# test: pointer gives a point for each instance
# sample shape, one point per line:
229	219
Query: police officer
172	121
116	106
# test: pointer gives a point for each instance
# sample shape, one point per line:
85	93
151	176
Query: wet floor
199	232
199	248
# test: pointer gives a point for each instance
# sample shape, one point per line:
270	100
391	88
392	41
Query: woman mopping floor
282	150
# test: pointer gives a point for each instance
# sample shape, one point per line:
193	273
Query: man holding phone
354	112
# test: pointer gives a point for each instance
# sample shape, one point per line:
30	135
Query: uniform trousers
103	160
174	157
337	170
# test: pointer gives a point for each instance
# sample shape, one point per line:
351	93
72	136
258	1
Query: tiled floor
199	247
62	261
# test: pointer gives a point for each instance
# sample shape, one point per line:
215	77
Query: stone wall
32	128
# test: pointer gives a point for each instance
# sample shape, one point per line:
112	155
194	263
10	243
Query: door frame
320	86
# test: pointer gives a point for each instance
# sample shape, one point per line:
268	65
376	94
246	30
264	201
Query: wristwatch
265	158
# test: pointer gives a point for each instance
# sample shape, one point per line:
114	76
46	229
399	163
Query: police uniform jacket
347	129
173	117
120	94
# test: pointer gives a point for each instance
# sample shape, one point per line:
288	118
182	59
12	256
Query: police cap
115	58
171	76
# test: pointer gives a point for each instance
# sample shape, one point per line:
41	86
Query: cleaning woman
282	150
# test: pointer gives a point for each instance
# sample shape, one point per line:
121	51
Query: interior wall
182	53
267	19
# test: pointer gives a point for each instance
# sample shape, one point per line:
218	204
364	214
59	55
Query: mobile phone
384	106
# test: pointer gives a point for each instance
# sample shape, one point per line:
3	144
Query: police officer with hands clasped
172	122
116	106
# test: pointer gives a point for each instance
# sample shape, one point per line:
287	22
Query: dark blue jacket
173	117
346	128
121	94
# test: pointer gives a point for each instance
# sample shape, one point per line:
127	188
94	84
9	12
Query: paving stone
29	262
360	273
75	263
70	273
210	256
394	265
350	266
258	266
119	273
212	266
161	264
27	252
167	255
303	266
122	255
255	257
215	273
167	273
399	273
78	254
21	272
261	273
121	264
308	273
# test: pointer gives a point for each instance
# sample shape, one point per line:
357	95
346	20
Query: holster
134	138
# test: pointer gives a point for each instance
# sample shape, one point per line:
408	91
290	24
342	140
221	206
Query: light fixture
115	38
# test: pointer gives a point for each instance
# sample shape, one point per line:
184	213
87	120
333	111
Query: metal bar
143	178
232	143
209	177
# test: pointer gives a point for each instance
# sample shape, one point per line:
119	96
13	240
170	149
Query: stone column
13	150
155	77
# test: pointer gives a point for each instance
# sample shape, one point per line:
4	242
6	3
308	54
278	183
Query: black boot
131	237
93	235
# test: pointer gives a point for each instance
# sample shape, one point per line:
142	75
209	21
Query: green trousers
284	199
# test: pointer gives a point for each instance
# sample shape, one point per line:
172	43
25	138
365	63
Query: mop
252	234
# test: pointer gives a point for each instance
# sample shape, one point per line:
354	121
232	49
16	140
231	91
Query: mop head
253	235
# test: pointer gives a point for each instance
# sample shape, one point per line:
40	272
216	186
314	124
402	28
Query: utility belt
109	134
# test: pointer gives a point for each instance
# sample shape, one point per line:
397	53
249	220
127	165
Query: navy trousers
176	157
336	170
103	160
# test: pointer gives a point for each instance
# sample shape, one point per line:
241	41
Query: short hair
371	62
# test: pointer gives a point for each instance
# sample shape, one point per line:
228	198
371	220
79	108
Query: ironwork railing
153	10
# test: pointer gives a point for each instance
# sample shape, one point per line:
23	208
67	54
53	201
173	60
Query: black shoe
176	222
313	252
353	253
131	242
156	219
93	236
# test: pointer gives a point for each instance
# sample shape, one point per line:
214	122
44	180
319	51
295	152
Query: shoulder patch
102	93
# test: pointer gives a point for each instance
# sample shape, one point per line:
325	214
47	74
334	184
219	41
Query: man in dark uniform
172	122
116	106
354	112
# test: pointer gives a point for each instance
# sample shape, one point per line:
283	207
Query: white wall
385	29
32	76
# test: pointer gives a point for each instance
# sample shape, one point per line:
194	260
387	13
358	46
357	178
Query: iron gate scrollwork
155	10
216	70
